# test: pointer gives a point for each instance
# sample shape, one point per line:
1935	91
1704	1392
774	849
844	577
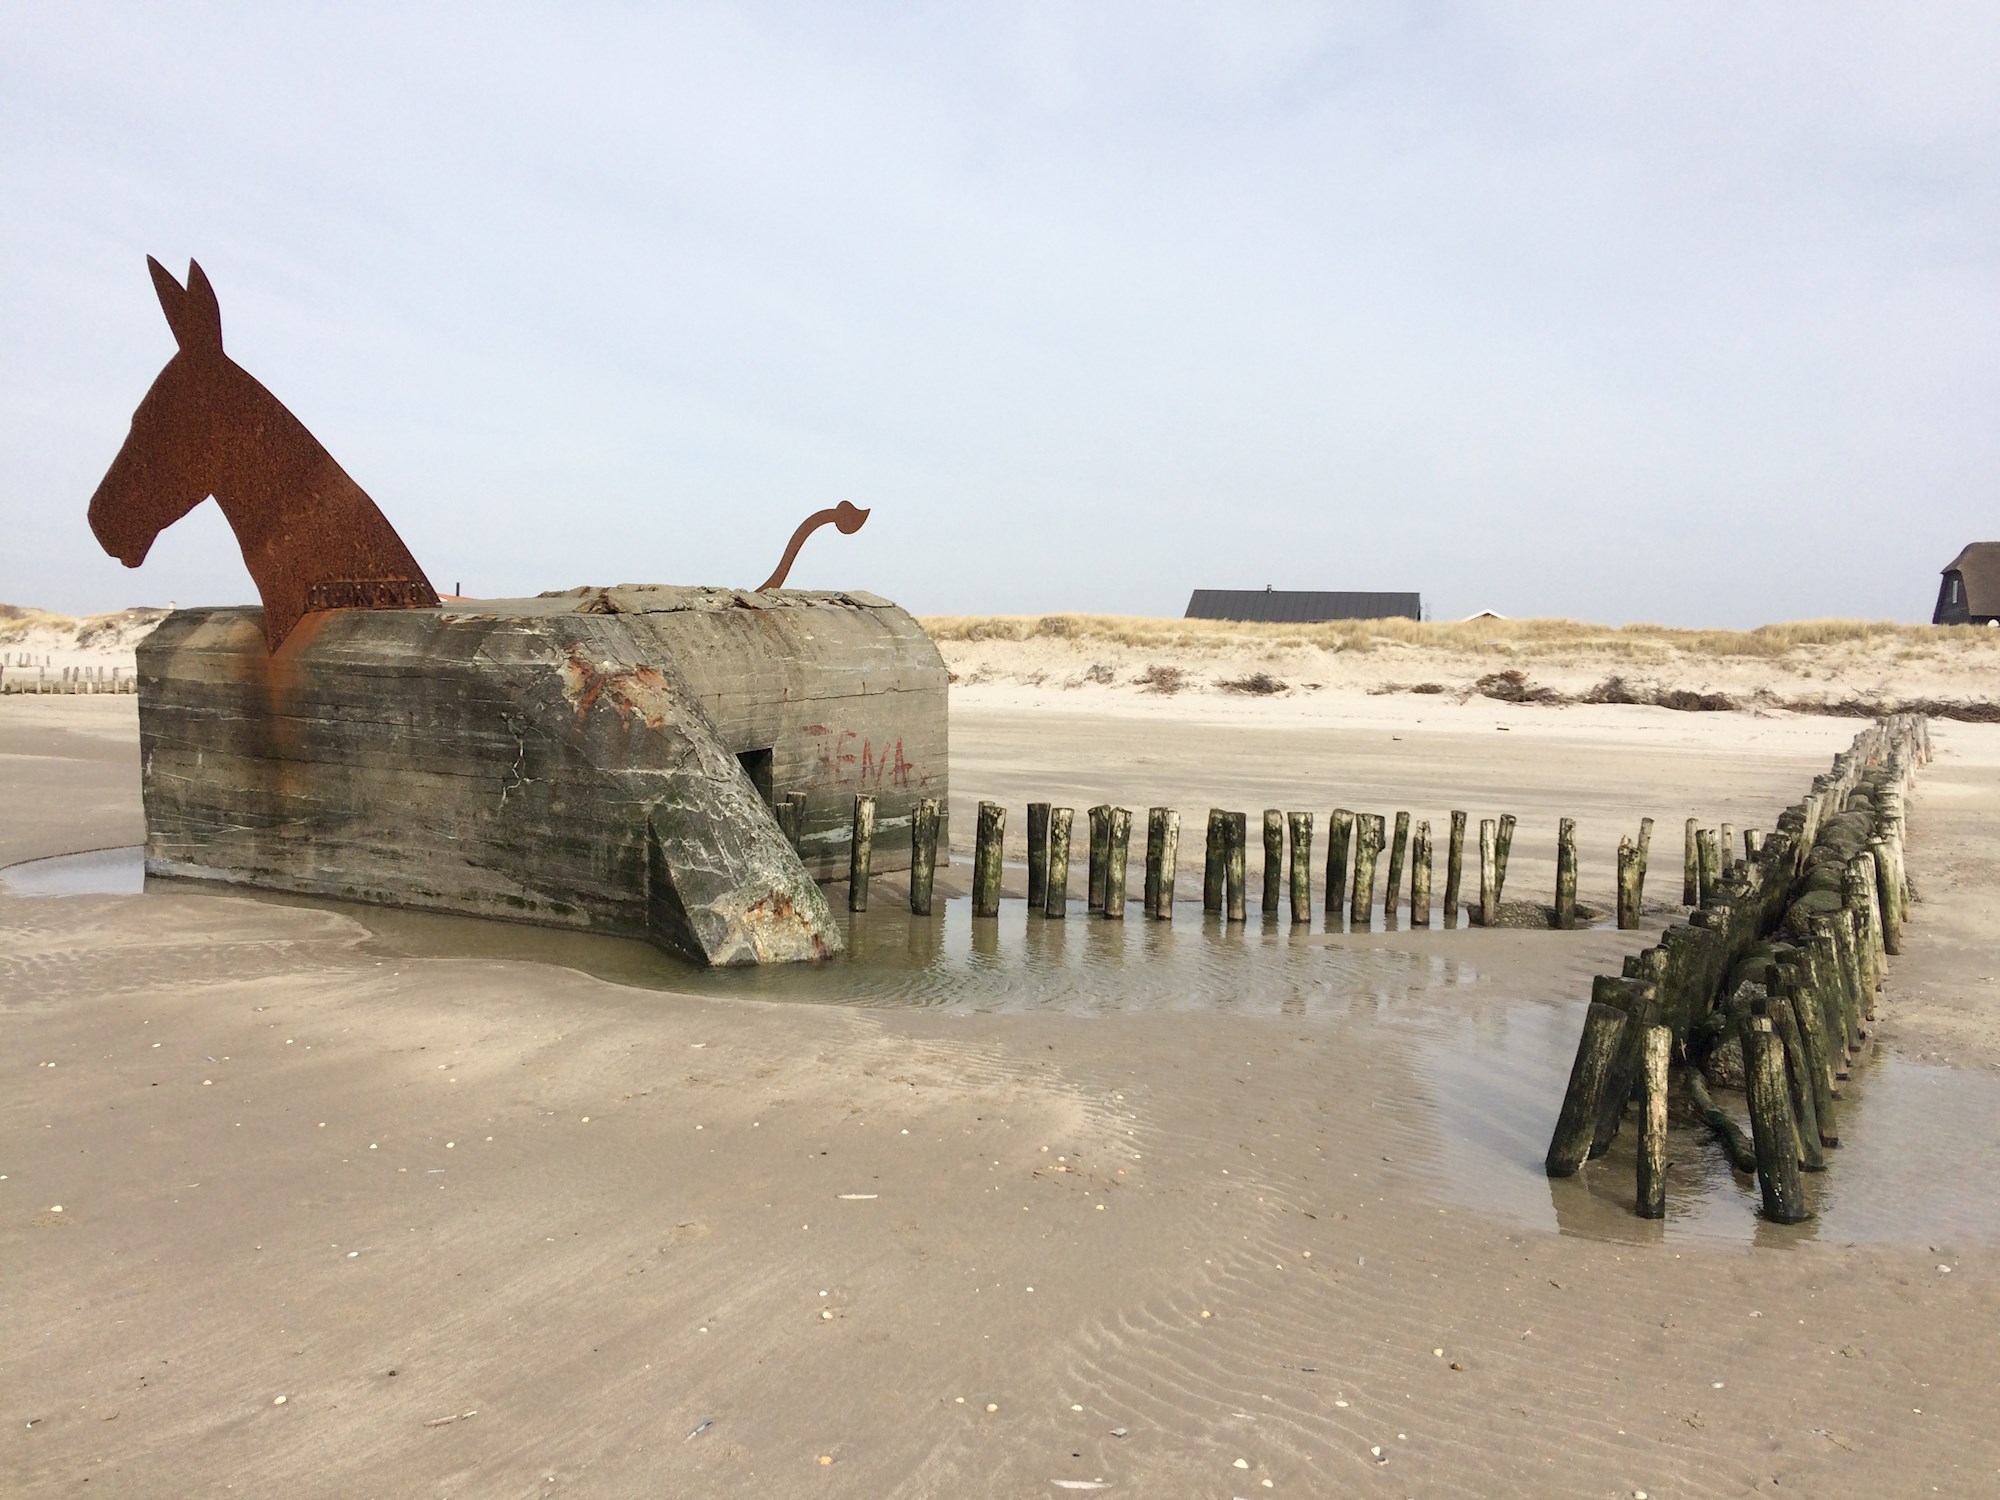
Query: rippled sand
1168	1199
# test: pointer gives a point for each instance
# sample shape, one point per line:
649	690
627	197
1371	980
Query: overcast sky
1684	313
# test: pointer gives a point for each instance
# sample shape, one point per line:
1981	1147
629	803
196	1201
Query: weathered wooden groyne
1777	966
52	679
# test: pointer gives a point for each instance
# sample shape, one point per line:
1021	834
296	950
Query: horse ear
193	314
204	311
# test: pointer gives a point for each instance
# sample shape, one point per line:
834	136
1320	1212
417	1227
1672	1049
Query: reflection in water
1919	1154
1920	1157
1082	964
101	872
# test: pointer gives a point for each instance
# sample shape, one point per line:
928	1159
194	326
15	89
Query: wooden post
1099	834
1420	875
1503	842
1628	885
796	801
1055	906
1691	867
1839	937
1454	868
860	853
1274	860
1368	829
1645	848
1489	891
1727	1132
1566	874
1772	1133
1860	895
986	860
1753	844
1118	847
923	855
1653	1134
788	823
1038	857
1798	1081
1163	852
1708	863
1214	868
1300	826
1639	999
1725	843
1393	888
1339	840
1597	1051
1237	830
1892	914
1795	990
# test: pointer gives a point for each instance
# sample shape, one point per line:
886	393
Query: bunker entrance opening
757	766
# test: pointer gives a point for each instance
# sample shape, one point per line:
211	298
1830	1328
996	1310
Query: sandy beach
301	1200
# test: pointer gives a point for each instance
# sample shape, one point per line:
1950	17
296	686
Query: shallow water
98	872
1080	965
1920	1159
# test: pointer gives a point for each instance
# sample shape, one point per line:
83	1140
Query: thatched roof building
1970	591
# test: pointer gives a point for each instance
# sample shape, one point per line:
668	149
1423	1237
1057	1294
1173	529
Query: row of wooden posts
1355	845
1783	955
92	679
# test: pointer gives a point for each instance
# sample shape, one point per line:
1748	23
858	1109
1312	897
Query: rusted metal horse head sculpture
311	537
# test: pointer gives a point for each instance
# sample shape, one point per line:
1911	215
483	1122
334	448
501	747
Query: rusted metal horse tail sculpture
311	537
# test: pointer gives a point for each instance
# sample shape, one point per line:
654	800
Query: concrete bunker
604	759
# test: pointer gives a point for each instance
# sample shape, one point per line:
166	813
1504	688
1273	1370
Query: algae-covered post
1645	848
1887	896
1118	848
1056	905
1503	843
1038	857
1163	849
1394	886
1214	868
1300	826
1772	1132
1274	860
1368	829
1234	895
1566	874
1339	839
1454	868
923	854
1728	1134
1100	829
860	853
1420	875
1489	886
1628	885
1597	1053
986	859
1659	1043
1708	864
1691	866
1798	1081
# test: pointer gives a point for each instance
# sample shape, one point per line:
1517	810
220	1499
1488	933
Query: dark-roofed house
1301	606
1970	592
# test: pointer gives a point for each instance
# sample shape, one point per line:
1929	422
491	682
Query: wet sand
1162	1227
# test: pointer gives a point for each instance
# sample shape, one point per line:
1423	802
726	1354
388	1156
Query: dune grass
1513	638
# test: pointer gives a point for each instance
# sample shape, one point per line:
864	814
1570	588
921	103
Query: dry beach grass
1837	666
